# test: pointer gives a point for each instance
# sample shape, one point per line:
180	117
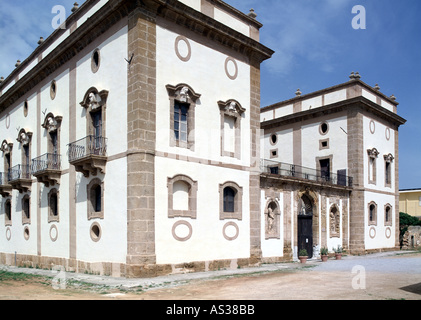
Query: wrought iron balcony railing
48	161
20	172
299	172
89	146
89	155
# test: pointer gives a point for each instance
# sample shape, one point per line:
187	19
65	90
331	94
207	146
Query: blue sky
316	47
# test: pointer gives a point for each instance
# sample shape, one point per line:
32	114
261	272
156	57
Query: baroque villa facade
133	139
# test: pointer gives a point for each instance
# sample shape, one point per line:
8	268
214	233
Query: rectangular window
229	200
229	134
97	123
388	174
325	169
180	121
54	142
372	170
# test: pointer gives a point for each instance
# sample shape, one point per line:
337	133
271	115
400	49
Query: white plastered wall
111	76
310	146
205	73
379	235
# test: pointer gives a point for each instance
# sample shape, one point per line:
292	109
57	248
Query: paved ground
384	276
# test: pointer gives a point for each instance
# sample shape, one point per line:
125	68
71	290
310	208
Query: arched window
372	213
8	212
26	210
53	206
95	191
231	195
182	197
388	219
229	199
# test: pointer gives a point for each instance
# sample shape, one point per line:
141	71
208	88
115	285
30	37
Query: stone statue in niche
272	221
334	222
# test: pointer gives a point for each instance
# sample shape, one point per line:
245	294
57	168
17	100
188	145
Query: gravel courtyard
384	276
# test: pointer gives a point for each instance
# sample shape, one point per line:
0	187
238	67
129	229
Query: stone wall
412	238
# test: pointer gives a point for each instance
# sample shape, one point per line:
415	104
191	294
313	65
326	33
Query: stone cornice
99	23
179	13
355	82
54	36
360	102
112	12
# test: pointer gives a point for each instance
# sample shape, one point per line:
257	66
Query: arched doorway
305	225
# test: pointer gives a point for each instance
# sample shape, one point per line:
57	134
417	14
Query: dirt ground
328	281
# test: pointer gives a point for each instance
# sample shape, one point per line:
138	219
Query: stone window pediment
183	93
94	99
51	122
6	147
183	101
231	107
231	114
24	137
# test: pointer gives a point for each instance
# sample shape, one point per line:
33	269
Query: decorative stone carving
183	96
6	147
373	153
24	137
272	219
334	221
94	99
231	106
389	157
50	124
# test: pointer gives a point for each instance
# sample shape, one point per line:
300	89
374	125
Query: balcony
47	169
5	186
20	178
89	155
301	174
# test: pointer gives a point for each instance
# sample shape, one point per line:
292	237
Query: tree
405	220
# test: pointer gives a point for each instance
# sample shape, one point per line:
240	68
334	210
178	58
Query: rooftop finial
75	6
17	63
354	76
1	79
393	97
376	87
298	92
41	40
252	14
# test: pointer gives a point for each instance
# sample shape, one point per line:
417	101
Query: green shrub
303	253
